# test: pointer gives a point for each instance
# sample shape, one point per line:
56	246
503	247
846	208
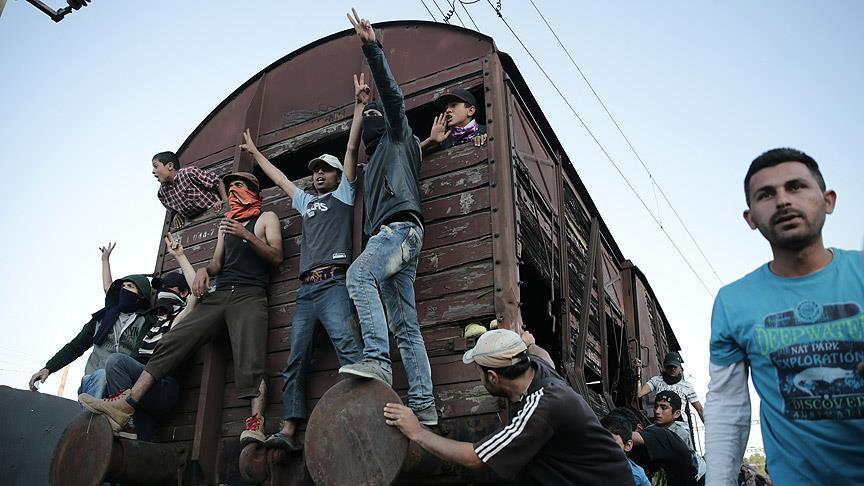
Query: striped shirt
192	191
554	438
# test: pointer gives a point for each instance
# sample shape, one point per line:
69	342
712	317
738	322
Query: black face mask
671	380
373	129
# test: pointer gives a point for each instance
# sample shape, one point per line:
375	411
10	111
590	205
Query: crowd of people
794	324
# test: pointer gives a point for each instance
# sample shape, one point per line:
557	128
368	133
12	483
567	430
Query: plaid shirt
192	192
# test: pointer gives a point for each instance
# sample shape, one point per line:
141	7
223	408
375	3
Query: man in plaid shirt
189	191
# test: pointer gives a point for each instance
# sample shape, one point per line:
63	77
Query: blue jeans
93	384
388	265
326	301
121	372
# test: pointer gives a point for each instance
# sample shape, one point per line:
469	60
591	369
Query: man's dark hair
515	370
628	415
168	157
670	397
618	425
776	157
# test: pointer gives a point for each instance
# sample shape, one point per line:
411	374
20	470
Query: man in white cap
553	436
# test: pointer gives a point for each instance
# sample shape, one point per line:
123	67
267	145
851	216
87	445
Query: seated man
667	409
623	435
248	246
187	191
113	329
325	253
456	124
173	303
553	436
665	458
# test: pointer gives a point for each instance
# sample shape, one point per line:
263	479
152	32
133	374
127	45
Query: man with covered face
248	247
672	378
394	221
553	436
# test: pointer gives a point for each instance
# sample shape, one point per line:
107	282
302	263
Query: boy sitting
188	191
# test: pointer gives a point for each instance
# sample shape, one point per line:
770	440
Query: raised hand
248	145
173	246
528	338
106	251
361	90
439	131
363	28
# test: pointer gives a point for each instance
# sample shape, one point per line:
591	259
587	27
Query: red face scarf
243	202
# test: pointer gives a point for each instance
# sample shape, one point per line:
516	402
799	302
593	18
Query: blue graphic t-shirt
803	338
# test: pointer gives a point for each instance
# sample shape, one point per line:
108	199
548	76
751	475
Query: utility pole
65	374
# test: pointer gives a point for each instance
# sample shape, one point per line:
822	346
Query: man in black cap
456	124
248	247
553	436
672	378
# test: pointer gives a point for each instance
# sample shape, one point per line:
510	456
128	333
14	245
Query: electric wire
629	144
427	9
443	15
469	14
602	149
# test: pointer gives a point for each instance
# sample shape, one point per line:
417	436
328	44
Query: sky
699	88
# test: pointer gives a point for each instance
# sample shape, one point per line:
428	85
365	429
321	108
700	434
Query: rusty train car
511	234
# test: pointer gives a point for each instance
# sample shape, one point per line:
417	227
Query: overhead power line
427	9
629	144
602	149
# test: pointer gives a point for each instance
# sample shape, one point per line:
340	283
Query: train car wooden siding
511	232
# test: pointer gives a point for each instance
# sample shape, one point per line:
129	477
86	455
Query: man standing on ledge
388	266
796	324
248	247
553	436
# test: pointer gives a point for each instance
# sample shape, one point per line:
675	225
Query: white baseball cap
496	349
328	160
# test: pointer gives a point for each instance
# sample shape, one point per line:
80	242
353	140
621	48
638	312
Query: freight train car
512	234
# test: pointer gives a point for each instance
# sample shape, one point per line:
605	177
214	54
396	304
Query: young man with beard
672	378
248	247
553	436
796	325
173	304
325	253
456	124
394	221
113	329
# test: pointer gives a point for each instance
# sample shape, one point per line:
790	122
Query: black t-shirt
554	438
665	450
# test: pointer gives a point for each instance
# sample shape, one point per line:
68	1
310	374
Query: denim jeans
388	265
326	301
93	384
121	372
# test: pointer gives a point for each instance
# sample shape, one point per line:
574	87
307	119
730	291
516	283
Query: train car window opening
420	118
295	164
534	297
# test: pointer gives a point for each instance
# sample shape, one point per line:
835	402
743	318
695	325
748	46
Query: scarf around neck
463	134
127	302
243	203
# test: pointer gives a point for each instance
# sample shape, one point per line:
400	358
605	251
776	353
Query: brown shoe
254	431
115	408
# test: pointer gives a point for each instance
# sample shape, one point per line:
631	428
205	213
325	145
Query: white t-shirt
683	389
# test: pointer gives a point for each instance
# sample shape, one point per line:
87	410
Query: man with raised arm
248	247
394	221
456	124
796	325
553	436
112	329
325	253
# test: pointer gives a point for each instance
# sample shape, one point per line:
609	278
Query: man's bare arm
107	280
701	411
269	248
362	95
535	350
277	176
455	451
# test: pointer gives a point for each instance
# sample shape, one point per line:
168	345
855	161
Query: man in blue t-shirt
325	254
797	324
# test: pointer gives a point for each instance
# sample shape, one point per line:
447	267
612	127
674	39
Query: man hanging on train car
553	436
456	124
188	191
796	326
672	378
325	253
112	329
174	302
394	220
667	409
248	247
